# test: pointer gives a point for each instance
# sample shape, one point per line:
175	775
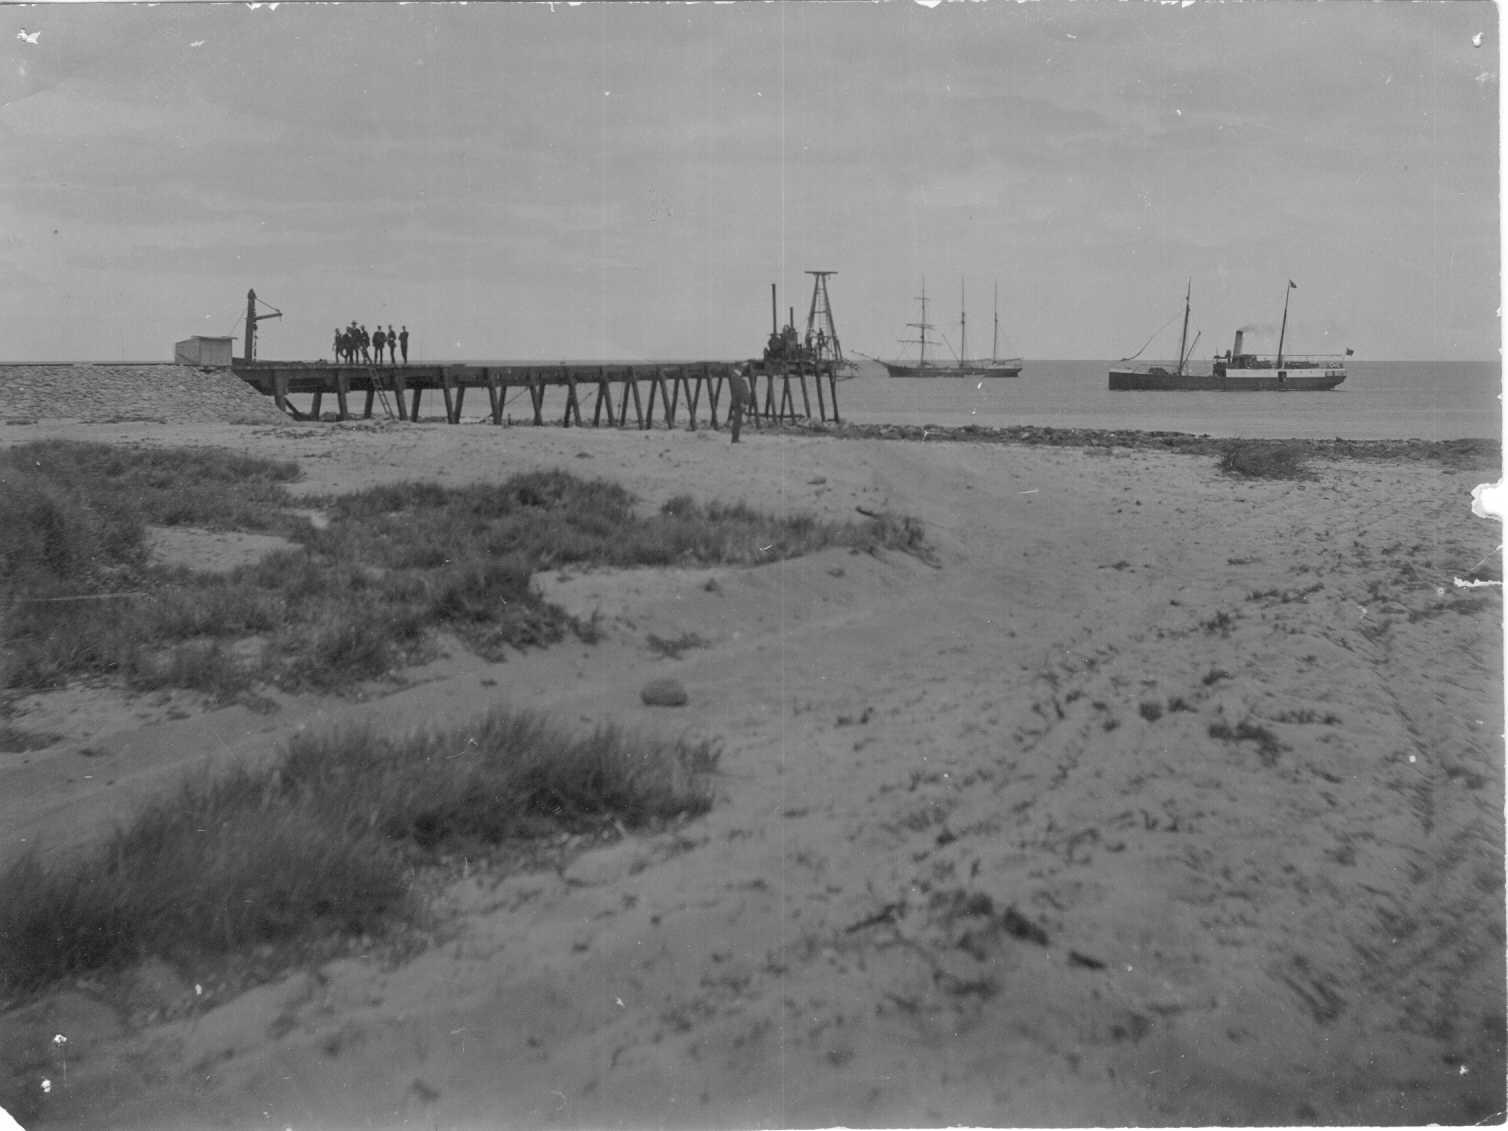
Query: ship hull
1234	381
983	369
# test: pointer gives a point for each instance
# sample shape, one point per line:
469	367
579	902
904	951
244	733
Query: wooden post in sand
694	395
400	391
494	396
604	393
633	384
714	392
537	397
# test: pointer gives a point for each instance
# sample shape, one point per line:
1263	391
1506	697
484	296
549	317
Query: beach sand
1160	797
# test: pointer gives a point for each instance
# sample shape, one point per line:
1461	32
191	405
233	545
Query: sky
626	181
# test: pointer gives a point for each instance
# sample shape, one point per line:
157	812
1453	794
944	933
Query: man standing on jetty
403	343
738	389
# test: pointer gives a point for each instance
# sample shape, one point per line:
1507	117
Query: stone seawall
103	392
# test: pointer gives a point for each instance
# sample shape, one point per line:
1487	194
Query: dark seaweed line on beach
1456	453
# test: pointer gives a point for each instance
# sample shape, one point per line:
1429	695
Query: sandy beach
1157	797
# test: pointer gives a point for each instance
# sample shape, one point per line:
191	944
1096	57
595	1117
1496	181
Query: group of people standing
354	342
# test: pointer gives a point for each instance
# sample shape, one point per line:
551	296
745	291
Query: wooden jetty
598	395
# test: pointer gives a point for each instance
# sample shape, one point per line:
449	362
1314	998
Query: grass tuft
1263	459
1268	746
356	600
671	648
325	841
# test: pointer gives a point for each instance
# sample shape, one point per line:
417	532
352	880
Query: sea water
1379	400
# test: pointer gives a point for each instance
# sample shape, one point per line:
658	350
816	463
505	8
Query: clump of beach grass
205	487
354	601
1263	459
672	647
325	841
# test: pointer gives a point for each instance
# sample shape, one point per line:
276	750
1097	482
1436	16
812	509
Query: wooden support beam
573	406
413	408
806	401
752	412
714	392
447	390
537	396
371	399
832	382
280	391
694	395
667	403
460	403
787	403
494	397
400	391
342	394
677	375
633	385
604	392
654	391
319	400
630	382
821	399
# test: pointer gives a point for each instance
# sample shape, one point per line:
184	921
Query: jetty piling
673	388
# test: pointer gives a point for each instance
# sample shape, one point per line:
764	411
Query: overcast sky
626	180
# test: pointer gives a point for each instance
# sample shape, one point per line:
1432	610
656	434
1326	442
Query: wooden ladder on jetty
382	396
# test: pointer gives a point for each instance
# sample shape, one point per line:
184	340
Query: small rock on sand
664	693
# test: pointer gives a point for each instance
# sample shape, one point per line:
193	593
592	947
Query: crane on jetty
252	318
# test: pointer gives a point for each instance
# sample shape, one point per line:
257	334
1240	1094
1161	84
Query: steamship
1238	371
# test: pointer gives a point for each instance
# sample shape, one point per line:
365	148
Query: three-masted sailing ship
960	366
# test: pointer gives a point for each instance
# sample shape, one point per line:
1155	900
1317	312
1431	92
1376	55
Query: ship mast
1184	340
923	326
963	326
1284	330
995	346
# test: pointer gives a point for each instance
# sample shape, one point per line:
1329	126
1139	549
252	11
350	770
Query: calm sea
1380	400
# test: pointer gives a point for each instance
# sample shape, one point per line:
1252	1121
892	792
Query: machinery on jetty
821	340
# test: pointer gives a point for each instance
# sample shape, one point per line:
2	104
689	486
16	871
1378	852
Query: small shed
202	351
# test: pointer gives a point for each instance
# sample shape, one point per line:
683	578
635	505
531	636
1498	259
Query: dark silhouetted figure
379	342
738	389
392	344
403	343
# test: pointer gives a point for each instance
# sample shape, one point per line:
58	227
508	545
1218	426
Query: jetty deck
644	394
